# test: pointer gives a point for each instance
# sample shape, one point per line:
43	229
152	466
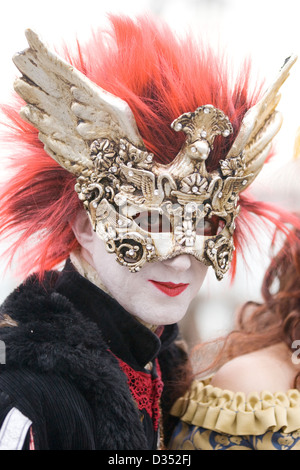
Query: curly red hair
160	77
259	325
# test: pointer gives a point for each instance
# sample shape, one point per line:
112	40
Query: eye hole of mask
210	226
153	221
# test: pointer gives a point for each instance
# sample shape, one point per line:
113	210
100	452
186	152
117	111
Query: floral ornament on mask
143	210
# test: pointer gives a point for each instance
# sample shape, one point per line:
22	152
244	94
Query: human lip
169	288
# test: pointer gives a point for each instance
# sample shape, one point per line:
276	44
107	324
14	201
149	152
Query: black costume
68	366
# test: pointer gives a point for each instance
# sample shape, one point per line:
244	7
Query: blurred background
266	30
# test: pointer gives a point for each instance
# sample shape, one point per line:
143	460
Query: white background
267	30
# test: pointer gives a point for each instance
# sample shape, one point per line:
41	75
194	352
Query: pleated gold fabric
215	418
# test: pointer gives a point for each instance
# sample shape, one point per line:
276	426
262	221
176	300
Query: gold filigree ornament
143	210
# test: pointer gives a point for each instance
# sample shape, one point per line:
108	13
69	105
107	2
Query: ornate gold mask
142	210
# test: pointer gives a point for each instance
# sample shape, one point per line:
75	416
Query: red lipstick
169	288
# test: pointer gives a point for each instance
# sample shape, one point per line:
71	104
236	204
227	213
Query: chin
163	317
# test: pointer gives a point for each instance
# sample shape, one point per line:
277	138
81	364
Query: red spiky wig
160	77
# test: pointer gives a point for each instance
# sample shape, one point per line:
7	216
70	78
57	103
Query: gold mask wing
296	153
259	126
68	109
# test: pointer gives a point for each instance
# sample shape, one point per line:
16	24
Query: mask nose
179	263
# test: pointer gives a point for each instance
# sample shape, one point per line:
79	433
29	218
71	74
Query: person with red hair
250	398
129	162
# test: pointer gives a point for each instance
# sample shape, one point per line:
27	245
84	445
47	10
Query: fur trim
53	337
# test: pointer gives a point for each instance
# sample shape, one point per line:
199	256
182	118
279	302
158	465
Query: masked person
130	158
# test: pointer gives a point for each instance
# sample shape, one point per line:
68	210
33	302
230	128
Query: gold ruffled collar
236	413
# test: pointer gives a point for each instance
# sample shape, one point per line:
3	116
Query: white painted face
158	294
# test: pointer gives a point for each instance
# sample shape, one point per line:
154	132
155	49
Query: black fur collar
53	336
